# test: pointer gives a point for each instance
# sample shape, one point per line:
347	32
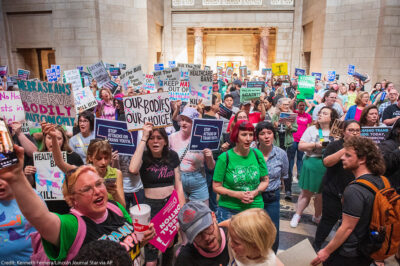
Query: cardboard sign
171	64
316	75
153	107
189	66
3	71
224	111
247	94
121	66
280	69
166	74
306	87
158	67
287	117
134	75
112	86
23	74
52	102
11	108
206	133
115	71
200	86
117	134
299	72
49	178
99	73
166	223
74	77
58	70
84	99
331	75
256	84
148	83
229	71
351	70
243	71
178	90
377	134
300	254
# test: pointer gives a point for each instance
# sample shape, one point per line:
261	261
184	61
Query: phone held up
8	157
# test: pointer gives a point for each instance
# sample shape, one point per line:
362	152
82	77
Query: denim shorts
225	213
194	186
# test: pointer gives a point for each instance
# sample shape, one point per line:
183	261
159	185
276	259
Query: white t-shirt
311	135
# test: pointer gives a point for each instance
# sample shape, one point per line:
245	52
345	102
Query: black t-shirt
156	172
189	255
336	178
358	202
390	112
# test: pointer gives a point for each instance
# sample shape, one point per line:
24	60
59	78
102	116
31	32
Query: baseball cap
190	112
194	217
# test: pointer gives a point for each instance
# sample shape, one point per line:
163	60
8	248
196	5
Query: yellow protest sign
279	69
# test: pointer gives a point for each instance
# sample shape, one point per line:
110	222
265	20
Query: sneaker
316	220
288	196
295	220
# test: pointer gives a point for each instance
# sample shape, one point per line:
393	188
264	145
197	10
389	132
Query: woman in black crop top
159	170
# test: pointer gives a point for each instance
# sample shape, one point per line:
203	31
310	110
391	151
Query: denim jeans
225	213
213	197
130	198
272	207
194	186
291	153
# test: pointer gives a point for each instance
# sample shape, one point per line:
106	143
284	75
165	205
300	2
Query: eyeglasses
353	130
89	190
83	121
208	231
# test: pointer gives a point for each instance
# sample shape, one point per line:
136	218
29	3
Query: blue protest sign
360	76
51	75
299	72
158	67
58	70
80	68
171	64
331	75
351	70
117	134
316	75
206	133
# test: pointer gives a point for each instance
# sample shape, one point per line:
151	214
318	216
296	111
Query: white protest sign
200	86
74	77
134	75
153	107
178	90
166	74
148	84
11	108
99	73
48	178
185	68
84	99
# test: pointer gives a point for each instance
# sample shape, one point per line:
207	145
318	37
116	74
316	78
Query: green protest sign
306	87
247	94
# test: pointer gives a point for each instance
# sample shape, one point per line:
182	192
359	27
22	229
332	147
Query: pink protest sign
166	223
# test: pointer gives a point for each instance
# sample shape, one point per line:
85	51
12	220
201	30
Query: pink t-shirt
108	110
358	114
302	122
193	161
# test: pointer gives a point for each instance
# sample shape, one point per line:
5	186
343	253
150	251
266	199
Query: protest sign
206	133
229	72
360	76
148	84
331	75
52	102
280	69
80	68
99	73
377	134
121	66
299	72
134	75
117	134
153	107
112	86
243	71
23	74
166	74
171	63
316	75
166	223
25	128
224	111
84	99
300	254
49	178
11	108
351	69
337	129
200	86
3	71
115	71
247	94
58	70
287	117
158	67
74	77
306	87
207	68
108	66
256	84
178	90
51	75
190	66
220	71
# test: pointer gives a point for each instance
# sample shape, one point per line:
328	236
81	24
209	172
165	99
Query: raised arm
137	158
26	143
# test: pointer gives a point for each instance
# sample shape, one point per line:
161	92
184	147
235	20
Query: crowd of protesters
229	198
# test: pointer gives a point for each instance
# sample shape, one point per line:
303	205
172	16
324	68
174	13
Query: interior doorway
36	60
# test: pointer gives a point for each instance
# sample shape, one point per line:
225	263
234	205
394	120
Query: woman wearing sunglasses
159	170
99	155
92	216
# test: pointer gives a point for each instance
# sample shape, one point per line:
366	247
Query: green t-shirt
242	174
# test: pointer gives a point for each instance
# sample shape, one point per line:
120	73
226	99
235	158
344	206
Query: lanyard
321	137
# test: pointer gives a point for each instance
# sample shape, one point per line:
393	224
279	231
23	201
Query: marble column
198	46
264	47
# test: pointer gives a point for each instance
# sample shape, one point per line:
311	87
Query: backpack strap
227	158
255	153
371	187
114	208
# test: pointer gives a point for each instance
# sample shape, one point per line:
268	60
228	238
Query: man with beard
207	242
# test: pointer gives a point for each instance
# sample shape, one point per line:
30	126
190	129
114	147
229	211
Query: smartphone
8	157
110	181
325	143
